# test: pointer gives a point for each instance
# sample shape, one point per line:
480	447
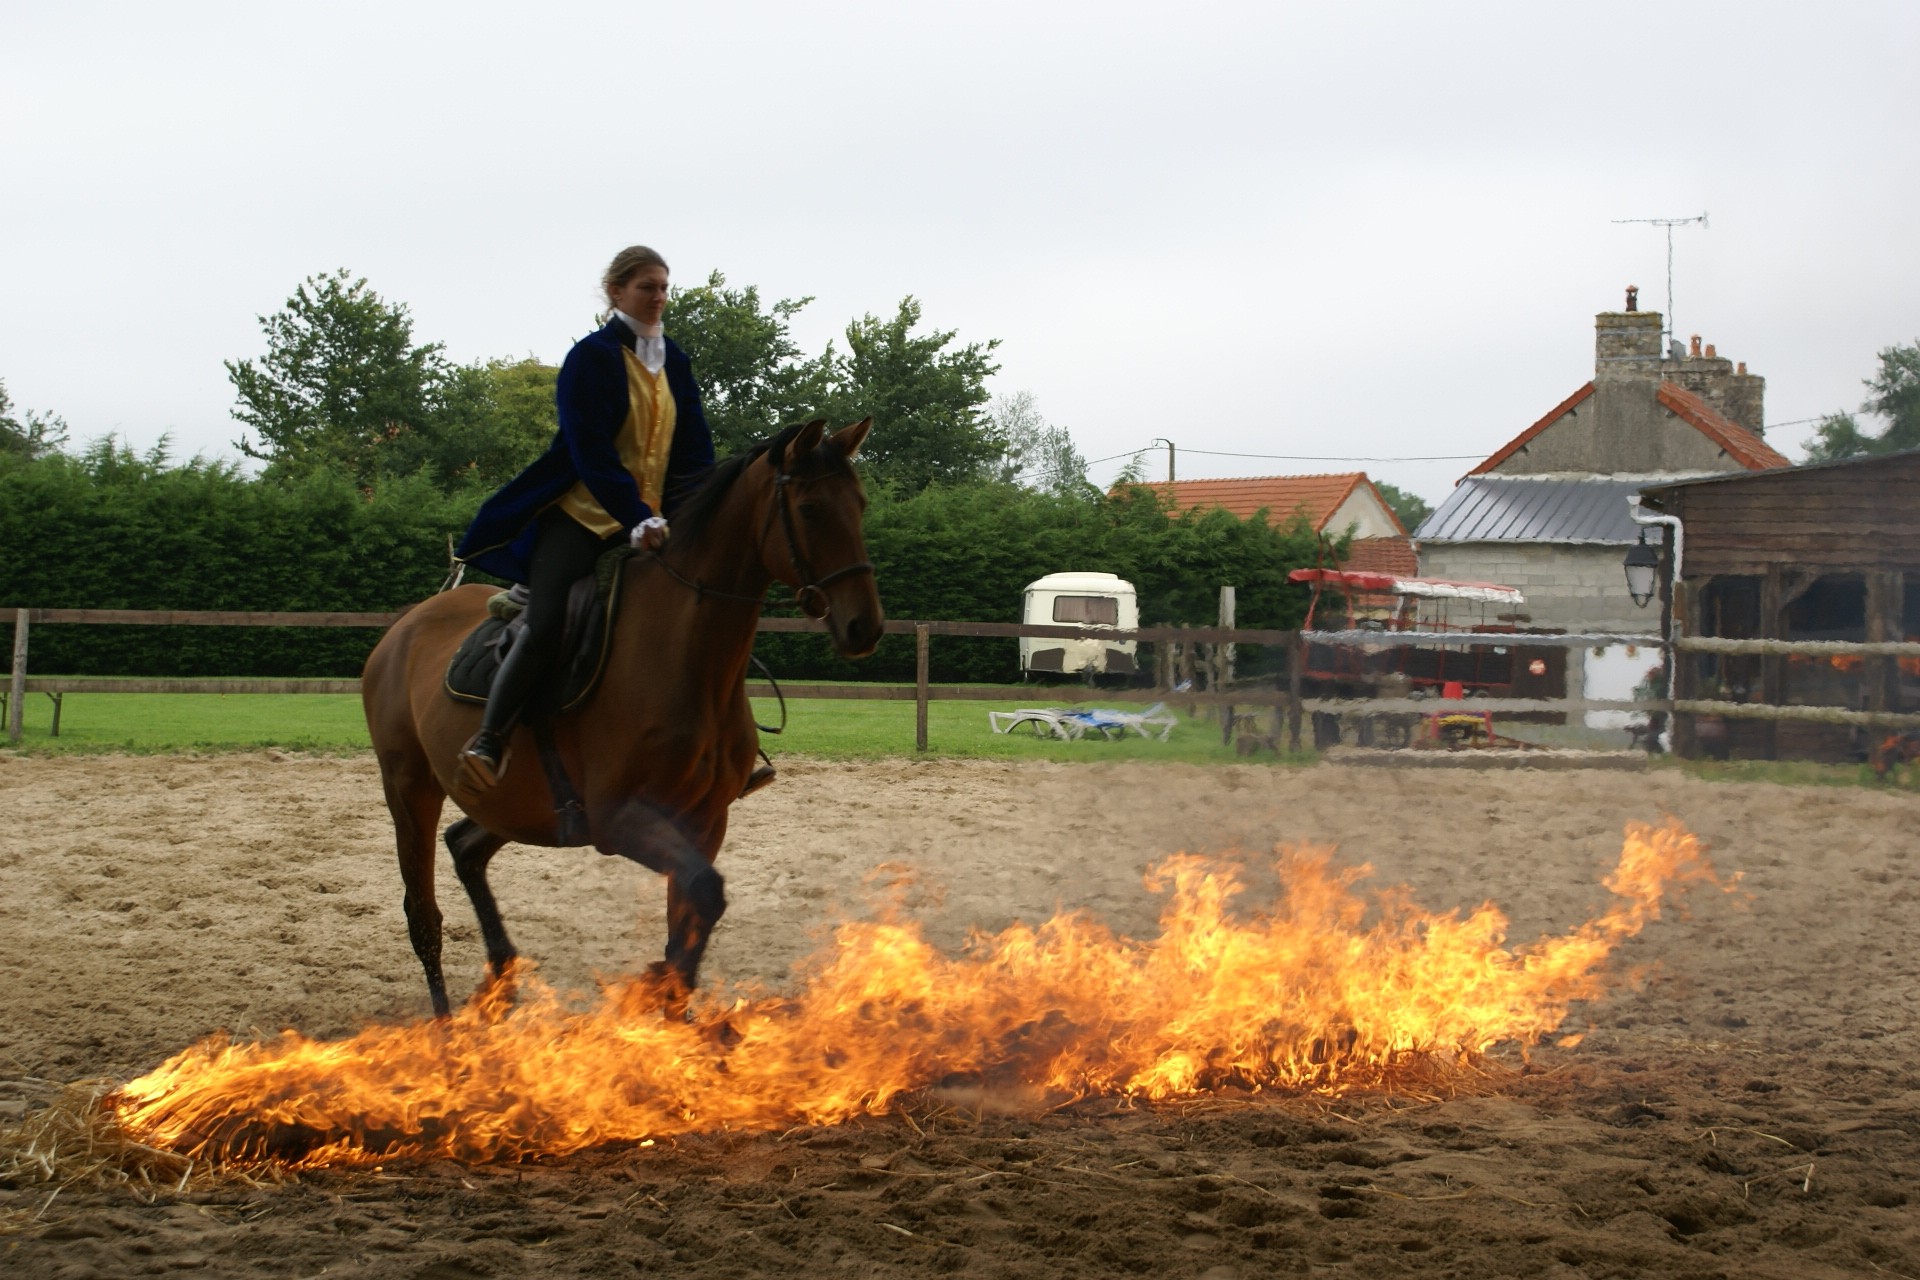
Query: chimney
1626	344
1710	354
1693	346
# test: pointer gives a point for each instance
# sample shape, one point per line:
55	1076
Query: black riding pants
564	551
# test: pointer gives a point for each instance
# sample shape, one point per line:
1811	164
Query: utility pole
1169	444
1669	224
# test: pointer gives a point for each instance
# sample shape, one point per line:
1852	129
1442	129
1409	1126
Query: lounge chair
1041	721
1071	723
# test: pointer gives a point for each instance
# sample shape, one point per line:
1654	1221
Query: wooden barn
1828	552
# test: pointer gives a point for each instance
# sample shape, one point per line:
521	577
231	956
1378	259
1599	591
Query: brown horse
667	741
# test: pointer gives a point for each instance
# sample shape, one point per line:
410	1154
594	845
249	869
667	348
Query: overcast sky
1378	230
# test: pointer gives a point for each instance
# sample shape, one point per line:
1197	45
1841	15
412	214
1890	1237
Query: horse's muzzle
858	635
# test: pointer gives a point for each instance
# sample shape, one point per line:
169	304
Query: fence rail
1283	694
1807	648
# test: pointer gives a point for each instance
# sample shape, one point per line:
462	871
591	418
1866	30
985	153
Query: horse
667	741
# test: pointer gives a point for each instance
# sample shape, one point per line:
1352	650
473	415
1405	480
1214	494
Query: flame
1323	992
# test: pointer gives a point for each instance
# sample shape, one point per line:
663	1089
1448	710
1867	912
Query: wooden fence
1278	695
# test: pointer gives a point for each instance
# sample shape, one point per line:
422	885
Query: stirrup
481	772
759	778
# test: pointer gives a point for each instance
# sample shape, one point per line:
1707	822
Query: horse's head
816	545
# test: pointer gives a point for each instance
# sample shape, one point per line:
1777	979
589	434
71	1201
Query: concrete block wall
1572	588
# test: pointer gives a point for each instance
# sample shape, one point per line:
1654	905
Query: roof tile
1742	445
1383	555
1318	496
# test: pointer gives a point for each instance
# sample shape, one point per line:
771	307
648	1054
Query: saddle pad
591	608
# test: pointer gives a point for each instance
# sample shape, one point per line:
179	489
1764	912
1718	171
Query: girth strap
569	814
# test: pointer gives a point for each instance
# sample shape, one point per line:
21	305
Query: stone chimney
1626	344
1734	393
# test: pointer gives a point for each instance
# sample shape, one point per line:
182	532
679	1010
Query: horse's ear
849	439
805	441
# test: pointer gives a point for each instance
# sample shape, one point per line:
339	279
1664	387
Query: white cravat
650	342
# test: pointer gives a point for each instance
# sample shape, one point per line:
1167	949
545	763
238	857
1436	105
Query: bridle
812	590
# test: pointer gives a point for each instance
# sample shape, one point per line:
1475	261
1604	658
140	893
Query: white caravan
1080	599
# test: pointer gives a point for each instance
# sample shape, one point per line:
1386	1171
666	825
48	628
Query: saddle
591	608
592	605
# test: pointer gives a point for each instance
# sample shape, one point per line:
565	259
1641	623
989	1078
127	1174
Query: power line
1338	457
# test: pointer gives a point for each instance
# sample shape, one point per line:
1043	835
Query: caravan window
1099	609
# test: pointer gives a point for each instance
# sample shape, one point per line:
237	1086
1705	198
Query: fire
1323	991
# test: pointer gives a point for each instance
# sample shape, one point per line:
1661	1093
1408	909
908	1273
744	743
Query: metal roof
1535	509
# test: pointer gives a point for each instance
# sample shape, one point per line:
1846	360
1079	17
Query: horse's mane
696	512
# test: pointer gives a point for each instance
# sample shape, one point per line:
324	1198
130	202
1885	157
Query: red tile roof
1383	555
1744	447
1318	497
1519	442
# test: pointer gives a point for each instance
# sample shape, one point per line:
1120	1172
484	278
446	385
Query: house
1823	552
1547	512
1334	506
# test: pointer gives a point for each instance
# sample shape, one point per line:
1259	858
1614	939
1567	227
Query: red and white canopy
1394	584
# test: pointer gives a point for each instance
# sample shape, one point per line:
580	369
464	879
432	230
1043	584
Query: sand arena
1746	1106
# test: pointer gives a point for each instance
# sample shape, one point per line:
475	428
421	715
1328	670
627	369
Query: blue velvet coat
591	396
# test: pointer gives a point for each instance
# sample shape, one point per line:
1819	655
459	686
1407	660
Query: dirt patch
1746	1106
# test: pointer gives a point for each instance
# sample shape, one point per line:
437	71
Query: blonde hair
628	263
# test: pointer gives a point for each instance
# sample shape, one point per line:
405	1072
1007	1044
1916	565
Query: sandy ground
147	902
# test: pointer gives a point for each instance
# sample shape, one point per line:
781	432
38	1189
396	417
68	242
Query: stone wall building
1548	511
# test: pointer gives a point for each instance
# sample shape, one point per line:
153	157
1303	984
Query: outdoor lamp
1642	564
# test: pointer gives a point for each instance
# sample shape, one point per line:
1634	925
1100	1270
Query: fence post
1296	654
920	645
16	704
1188	673
1225	651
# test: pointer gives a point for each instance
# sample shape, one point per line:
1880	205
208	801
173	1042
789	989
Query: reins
812	589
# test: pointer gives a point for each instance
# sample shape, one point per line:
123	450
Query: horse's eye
812	512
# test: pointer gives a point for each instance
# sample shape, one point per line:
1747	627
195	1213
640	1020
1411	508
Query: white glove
650	534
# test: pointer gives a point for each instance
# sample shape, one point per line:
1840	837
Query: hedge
112	531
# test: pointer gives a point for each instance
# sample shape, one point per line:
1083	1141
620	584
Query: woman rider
632	442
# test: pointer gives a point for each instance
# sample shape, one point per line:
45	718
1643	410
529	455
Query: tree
492	418
31	435
752	379
1895	397
1033	451
342	378
925	400
1411	508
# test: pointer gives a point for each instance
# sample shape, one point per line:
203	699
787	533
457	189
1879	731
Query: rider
632	442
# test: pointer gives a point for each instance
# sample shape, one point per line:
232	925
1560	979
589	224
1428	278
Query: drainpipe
1674	622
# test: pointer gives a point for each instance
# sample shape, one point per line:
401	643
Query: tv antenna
1669	224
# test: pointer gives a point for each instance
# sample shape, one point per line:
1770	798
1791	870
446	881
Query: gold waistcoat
644	441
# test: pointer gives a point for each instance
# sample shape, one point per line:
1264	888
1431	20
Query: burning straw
1322	992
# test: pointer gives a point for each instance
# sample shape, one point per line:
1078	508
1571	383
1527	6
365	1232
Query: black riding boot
484	759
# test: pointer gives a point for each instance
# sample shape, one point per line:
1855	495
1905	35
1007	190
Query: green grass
165	723
1798	773
158	723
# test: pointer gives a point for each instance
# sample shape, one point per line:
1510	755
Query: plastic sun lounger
1155	722
1064	722
1043	721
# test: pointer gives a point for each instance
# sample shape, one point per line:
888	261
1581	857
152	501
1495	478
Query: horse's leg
473	847
696	896
414	798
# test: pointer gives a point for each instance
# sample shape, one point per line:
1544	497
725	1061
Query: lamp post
1643	570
